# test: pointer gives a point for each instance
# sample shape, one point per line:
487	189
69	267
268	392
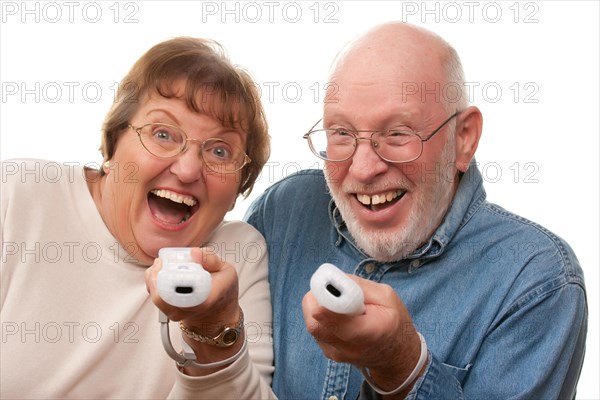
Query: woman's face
148	202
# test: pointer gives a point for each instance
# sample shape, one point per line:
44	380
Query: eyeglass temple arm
441	126
305	136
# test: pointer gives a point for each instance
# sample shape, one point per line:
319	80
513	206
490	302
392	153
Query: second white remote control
335	291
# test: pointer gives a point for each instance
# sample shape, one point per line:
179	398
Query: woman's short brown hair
228	93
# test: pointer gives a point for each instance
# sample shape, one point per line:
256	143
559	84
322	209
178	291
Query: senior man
463	298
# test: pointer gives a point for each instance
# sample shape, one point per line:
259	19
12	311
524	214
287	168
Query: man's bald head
412	54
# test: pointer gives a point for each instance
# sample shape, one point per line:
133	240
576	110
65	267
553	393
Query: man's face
390	208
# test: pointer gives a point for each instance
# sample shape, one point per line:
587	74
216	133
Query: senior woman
185	137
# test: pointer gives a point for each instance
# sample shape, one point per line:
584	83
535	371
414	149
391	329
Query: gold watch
228	336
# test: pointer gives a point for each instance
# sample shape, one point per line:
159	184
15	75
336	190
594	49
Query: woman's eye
218	151
163	134
221	152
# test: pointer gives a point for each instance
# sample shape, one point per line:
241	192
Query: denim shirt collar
469	196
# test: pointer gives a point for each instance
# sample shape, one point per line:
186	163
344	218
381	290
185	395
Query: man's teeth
176	197
378	198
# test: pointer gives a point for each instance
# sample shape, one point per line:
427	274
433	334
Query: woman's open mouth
171	208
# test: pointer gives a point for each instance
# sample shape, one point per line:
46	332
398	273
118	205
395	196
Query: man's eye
342	132
398	133
399	138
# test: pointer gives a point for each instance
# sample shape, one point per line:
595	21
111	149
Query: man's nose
366	163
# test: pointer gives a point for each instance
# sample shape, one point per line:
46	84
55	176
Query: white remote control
182	282
335	291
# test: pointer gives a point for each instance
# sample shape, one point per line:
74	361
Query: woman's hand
222	302
208	318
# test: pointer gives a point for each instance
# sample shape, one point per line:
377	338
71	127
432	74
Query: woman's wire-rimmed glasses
167	141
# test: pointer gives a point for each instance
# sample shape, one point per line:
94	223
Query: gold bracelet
228	336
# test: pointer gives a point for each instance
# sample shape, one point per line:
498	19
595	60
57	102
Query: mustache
346	185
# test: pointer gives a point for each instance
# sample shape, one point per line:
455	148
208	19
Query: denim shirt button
332	398
415	263
370	268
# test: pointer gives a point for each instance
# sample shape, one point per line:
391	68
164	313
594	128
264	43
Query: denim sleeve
251	215
534	353
434	384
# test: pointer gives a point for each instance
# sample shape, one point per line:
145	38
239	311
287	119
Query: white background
533	68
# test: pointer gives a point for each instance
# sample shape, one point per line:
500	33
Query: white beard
428	209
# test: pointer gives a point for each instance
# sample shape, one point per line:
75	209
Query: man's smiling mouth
171	208
379	201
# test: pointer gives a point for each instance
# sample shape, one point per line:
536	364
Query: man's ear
468	132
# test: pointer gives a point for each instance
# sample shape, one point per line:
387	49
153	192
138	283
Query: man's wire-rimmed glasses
392	145
168	141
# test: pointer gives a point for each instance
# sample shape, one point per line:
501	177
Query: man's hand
383	339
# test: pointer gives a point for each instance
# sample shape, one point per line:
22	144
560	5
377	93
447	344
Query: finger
383	308
150	275
323	315
389	321
222	301
208	259
321	323
309	305
342	354
224	276
379	294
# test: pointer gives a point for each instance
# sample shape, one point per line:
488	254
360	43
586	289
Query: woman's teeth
176	197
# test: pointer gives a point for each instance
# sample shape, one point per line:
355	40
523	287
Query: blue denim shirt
500	300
